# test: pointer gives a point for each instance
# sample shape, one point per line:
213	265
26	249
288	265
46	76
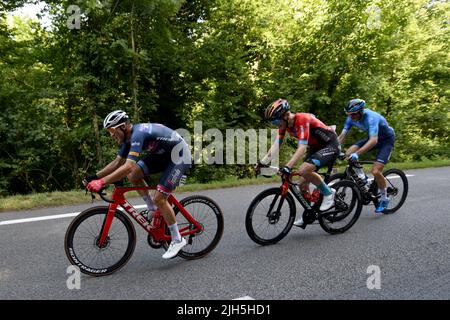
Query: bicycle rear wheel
397	189
81	242
209	215
347	208
270	217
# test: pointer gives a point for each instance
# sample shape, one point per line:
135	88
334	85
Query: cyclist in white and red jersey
165	151
312	134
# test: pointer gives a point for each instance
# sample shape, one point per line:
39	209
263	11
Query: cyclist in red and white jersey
313	135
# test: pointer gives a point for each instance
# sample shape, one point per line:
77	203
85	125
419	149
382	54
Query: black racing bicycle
271	214
397	184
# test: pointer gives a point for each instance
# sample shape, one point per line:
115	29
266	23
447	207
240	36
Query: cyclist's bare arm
342	136
272	151
111	167
121	172
297	155
368	145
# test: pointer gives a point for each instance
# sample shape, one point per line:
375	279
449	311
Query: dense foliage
216	61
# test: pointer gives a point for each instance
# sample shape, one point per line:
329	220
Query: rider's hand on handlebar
257	167
353	157
96	185
88	179
286	171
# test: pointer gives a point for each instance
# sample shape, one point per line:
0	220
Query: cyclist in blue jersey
165	151
380	136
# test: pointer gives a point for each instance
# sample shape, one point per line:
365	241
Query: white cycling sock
383	193
175	233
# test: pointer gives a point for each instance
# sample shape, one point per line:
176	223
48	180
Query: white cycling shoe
299	223
328	201
174	248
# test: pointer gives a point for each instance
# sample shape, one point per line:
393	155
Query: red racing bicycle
101	240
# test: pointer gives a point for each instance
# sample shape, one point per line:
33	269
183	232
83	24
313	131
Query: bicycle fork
274	216
107	225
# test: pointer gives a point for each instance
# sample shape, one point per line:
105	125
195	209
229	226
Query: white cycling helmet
115	119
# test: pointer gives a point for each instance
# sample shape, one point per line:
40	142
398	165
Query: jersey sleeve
136	144
372	125
124	150
302	124
348	124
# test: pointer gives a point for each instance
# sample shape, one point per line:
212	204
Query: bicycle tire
366	196
189	251
404	179
249	218
75	254
326	220
335	178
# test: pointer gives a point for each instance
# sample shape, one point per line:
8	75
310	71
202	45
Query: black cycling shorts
324	156
172	169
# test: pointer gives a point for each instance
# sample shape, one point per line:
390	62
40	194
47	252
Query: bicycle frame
288	185
157	229
365	193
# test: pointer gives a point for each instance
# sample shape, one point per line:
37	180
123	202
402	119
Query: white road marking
390	177
56	216
395	177
245	298
73	214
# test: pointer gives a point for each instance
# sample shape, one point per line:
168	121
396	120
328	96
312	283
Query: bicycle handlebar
102	195
342	156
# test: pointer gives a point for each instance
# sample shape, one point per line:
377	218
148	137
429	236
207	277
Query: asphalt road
411	248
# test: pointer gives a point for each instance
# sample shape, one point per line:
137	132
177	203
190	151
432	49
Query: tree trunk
97	137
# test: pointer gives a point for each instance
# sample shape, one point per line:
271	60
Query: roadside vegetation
59	198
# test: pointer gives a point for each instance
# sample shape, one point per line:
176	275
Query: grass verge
50	199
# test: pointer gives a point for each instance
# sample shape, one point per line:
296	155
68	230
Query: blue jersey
153	138
373	123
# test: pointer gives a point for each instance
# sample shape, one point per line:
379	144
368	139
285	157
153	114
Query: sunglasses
112	131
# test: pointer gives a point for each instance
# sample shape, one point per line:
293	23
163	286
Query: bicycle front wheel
347	208
82	242
270	216
209	215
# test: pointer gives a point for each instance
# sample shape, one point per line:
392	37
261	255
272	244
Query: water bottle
305	193
360	173
145	213
148	215
157	219
361	179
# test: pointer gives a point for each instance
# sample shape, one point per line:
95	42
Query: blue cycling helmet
354	105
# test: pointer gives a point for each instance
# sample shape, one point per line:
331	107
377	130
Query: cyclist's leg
377	171
169	180
149	165
385	148
322	157
307	171
315	161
